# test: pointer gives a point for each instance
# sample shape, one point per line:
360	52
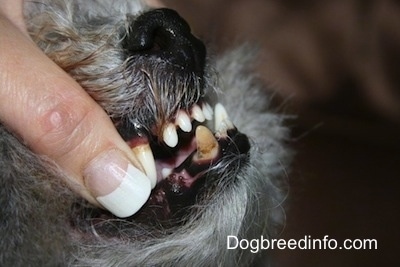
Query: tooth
207	111
220	115
207	145
165	172
145	156
170	136
222	121
197	113
183	121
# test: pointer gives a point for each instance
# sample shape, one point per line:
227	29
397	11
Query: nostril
148	36
161	41
162	33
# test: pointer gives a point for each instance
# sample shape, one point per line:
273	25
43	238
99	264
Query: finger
55	117
12	9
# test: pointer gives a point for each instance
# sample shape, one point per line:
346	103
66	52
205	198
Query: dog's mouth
187	149
190	164
183	165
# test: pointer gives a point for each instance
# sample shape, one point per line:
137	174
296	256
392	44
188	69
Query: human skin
56	118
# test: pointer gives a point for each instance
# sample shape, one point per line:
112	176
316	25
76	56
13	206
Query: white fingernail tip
183	121
129	196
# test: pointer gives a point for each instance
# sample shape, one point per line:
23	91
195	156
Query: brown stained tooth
207	145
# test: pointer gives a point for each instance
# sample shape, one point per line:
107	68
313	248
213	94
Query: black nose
163	34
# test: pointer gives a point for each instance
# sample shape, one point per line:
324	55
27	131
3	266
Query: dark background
336	66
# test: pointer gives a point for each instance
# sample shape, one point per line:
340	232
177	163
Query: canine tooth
170	136
183	121
207	111
197	114
220	115
145	156
207	145
222	121
165	172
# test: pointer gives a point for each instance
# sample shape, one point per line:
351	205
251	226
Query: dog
220	152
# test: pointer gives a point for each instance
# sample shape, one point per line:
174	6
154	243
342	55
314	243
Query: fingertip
116	184
129	197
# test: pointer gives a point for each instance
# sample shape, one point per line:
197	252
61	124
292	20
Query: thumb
55	117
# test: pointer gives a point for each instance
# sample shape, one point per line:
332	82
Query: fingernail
116	184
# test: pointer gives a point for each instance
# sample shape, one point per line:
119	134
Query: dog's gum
137	140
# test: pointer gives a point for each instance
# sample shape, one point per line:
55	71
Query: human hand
55	117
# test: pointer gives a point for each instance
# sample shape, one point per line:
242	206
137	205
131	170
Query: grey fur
36	206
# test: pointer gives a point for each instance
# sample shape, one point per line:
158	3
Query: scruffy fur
36	207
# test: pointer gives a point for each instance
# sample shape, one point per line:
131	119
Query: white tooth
170	136
165	172
145	156
183	121
222	121
197	113
207	111
220	115
207	145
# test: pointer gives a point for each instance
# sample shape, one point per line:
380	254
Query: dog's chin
207	153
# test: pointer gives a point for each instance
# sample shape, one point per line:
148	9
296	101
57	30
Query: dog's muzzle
163	34
185	146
